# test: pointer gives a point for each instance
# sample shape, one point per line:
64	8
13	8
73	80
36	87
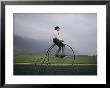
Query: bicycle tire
66	45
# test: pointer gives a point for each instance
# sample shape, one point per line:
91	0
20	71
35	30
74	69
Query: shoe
56	55
62	56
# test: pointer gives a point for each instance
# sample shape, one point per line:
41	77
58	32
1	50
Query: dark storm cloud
78	30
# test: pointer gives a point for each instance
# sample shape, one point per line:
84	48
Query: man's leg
62	52
58	52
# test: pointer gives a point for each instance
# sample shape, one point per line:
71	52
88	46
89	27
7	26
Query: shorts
58	42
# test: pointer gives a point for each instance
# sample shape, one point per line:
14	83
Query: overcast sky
77	30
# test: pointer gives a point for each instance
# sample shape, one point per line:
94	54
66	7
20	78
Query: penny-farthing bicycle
68	51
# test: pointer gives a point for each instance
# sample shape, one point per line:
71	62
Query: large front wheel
69	55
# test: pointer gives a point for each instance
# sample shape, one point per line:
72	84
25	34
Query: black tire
72	53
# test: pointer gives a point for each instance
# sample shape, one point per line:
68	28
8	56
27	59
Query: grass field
53	60
35	69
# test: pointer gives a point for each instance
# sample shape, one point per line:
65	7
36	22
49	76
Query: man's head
57	28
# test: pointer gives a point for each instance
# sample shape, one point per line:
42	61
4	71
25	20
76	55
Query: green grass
53	60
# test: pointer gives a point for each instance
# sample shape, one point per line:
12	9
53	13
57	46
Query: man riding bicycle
58	41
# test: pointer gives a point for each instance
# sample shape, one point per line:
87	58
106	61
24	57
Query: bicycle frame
51	47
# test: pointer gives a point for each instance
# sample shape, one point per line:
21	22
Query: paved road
32	69
54	64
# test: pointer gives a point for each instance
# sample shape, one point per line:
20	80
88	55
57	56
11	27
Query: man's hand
62	40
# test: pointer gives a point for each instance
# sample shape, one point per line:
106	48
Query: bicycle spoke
66	59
